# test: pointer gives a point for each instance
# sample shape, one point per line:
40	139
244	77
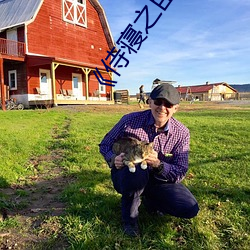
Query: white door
12	48
45	83
77	85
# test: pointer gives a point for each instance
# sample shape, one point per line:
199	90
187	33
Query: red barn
49	50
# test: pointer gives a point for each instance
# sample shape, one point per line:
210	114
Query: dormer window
74	11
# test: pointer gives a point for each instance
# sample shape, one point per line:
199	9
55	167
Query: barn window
102	89
74	11
43	77
12	80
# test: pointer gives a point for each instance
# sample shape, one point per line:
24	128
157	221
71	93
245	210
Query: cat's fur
135	151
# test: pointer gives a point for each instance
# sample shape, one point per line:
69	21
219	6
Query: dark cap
166	91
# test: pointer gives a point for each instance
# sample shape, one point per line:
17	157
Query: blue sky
194	41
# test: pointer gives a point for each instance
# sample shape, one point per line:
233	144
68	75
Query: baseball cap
166	91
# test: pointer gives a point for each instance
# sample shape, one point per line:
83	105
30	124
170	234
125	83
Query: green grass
218	176
24	135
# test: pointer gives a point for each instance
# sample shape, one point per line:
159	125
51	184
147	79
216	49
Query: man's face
162	110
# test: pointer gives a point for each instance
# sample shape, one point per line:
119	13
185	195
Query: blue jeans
168	198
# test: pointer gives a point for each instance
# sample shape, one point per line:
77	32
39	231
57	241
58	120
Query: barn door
77	85
45	83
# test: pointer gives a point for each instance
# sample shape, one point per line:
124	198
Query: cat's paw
132	170
144	166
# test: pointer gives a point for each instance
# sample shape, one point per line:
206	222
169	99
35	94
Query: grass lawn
218	176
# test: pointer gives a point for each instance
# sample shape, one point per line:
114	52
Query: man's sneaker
131	230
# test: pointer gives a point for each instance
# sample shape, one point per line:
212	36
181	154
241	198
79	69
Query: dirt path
34	203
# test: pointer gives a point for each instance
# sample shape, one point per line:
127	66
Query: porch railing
12	48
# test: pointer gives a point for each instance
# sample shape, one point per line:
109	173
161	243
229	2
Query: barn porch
61	90
50	103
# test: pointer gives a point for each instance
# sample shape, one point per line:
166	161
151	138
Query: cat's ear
151	144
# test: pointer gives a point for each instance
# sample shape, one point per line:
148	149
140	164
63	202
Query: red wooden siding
64	78
33	78
51	36
94	85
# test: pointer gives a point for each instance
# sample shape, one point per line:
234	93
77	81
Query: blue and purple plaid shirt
172	144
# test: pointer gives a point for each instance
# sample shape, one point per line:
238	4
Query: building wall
221	92
33	78
51	36
63	76
94	86
228	90
21	77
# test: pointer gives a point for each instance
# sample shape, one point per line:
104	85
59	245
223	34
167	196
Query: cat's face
146	148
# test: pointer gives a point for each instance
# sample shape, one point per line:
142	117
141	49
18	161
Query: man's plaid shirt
172	144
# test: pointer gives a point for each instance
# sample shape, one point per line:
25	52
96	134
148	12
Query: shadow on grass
3	182
94	219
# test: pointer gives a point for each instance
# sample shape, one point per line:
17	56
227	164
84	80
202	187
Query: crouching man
159	185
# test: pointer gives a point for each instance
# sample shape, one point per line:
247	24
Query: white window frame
15	83
75	12
102	89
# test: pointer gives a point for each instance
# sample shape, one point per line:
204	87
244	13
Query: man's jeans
168	198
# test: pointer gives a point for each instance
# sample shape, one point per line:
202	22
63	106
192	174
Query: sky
193	42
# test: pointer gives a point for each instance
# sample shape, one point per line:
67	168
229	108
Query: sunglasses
159	102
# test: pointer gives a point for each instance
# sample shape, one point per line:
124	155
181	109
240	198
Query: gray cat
135	151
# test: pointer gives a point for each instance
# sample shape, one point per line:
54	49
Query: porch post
53	68
112	88
86	72
2	84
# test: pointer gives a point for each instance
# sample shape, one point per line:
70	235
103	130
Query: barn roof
104	23
201	88
18	12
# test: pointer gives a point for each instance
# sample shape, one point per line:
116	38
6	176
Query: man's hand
153	160
119	161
